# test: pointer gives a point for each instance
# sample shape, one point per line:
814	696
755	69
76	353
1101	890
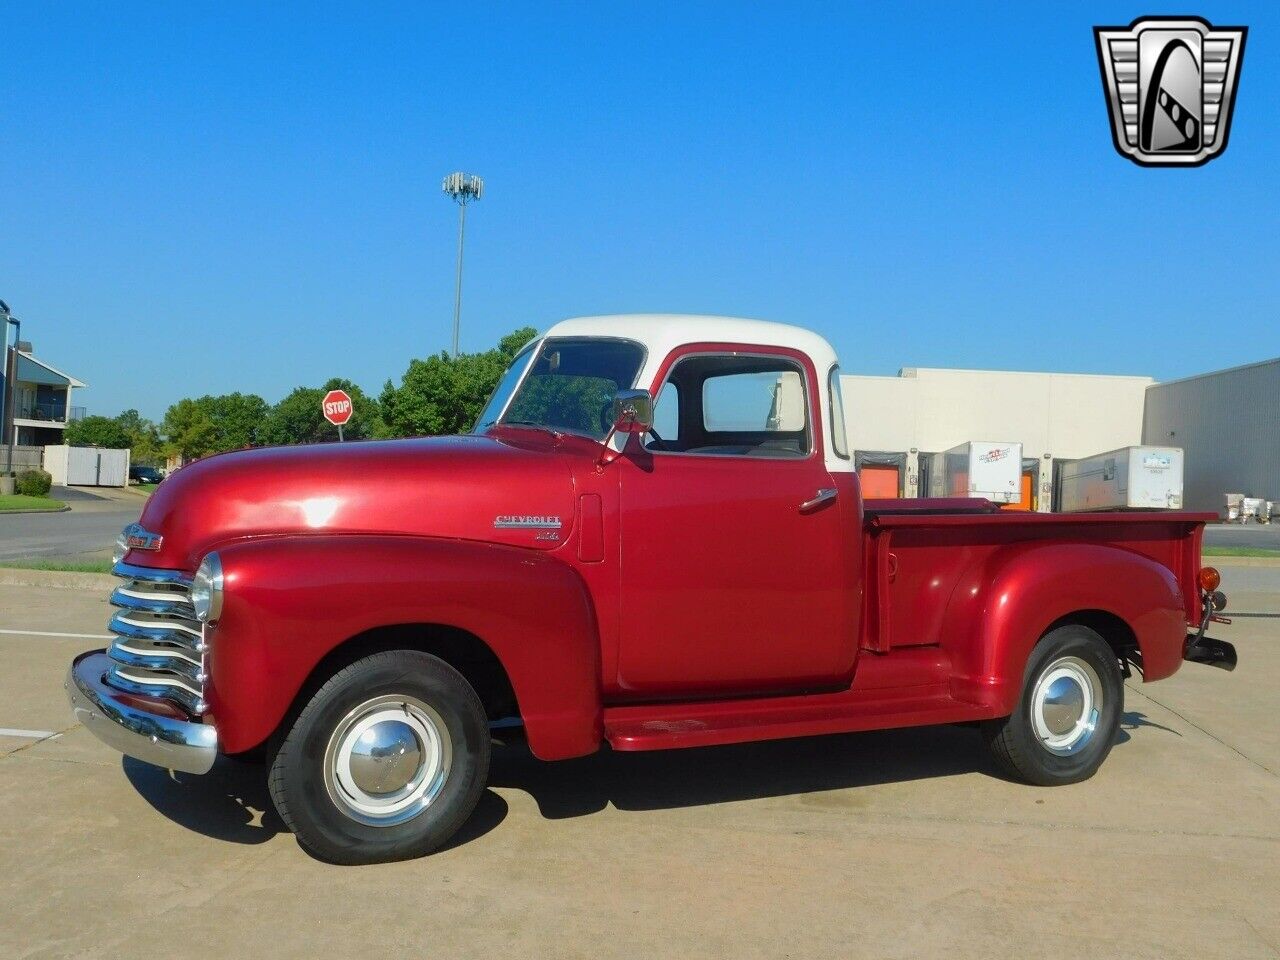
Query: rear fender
1002	607
291	601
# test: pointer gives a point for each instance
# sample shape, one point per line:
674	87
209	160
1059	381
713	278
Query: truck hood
469	487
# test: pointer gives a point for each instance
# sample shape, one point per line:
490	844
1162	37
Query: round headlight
206	589
120	549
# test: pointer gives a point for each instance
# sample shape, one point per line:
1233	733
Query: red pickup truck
654	538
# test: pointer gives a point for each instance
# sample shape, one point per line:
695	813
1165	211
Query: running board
668	726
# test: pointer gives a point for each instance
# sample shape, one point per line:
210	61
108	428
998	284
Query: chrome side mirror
632	411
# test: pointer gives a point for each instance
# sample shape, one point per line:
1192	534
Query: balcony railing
54	411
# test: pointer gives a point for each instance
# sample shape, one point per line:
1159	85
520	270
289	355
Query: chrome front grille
159	647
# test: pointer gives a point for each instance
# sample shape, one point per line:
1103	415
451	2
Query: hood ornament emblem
138	537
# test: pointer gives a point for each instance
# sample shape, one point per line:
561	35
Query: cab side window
733	405
666	412
839	438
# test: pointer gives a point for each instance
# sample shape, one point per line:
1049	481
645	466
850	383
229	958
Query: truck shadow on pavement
231	801
750	771
1132	720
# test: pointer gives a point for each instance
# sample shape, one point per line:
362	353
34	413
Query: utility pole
10	371
462	188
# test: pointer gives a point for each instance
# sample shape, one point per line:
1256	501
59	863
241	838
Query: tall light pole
10	370
463	188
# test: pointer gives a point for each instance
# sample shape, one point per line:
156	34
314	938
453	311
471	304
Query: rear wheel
1068	713
385	762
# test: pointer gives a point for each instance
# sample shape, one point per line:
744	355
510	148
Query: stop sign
337	407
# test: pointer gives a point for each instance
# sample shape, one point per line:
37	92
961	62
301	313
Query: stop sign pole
337	408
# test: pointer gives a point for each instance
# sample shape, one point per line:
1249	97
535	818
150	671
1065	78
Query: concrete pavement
890	844
1264	536
87	531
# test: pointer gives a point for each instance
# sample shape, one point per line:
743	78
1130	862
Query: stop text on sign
336	407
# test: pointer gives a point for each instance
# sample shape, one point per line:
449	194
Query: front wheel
385	762
1068	713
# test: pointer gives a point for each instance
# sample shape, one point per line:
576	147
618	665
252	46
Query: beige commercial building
893	421
1226	422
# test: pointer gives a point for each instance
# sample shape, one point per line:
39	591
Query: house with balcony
38	403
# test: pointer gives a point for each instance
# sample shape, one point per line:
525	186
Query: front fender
290	601
1002	607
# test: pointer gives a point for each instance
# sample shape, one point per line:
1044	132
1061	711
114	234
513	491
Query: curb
19	513
61	579
1212	561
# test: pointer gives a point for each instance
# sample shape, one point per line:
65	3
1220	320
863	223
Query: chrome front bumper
163	741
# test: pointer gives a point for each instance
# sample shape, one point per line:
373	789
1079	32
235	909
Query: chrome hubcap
1065	705
387	760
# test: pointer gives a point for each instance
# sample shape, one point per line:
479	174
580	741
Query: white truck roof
663	332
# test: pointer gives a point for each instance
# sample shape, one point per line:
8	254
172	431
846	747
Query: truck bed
917	556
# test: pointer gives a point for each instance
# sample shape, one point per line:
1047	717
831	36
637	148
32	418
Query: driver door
730	584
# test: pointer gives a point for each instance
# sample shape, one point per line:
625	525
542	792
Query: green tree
97	431
298	417
144	437
214	424
510	345
444	394
190	429
237	418
132	422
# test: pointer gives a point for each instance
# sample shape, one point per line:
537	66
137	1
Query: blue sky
207	198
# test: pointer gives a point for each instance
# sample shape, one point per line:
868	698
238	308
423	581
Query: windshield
569	385
506	386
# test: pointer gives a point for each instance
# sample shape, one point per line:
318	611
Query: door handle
824	495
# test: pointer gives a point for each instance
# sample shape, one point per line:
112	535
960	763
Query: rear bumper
1201	649
163	741
1206	650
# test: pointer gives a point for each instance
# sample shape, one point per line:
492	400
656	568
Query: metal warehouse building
1226	422
1228	425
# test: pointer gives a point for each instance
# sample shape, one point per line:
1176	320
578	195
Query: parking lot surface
1258	536
85	532
889	844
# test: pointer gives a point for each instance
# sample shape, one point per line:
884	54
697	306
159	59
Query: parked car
145	475
653	538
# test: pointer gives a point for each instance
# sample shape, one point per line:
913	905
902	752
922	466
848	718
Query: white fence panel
113	467
82	467
92	467
55	461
